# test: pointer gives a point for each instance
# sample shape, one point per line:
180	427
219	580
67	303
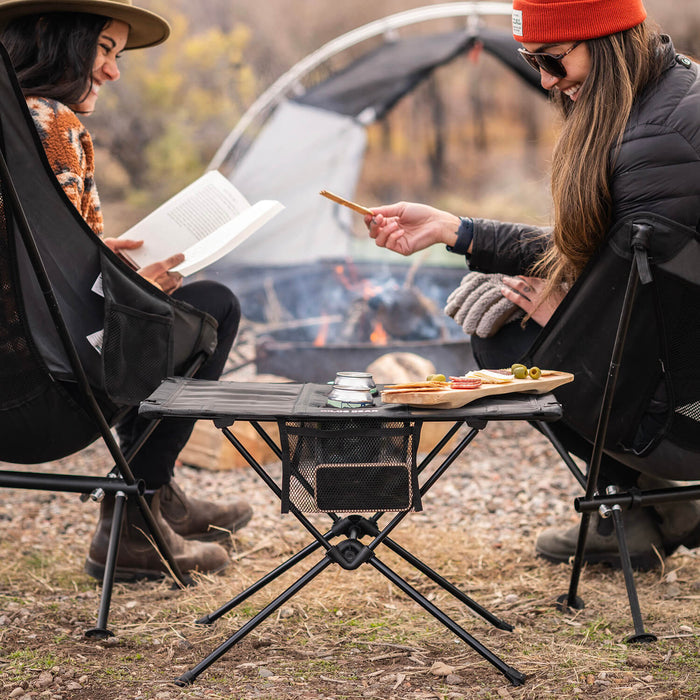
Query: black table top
226	402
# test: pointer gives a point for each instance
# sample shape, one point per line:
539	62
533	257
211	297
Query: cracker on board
410	390
412	386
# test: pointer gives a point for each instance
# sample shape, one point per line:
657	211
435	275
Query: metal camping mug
355	380
349	398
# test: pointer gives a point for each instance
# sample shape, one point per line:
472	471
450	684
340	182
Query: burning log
319	318
380	313
407	314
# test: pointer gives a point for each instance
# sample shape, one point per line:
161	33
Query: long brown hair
622	66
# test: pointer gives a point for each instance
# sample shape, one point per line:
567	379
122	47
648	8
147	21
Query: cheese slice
489	377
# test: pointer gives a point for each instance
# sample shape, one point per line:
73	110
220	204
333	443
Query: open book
206	220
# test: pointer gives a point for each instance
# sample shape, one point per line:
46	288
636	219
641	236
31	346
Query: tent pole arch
279	89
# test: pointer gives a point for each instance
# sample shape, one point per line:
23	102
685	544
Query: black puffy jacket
657	170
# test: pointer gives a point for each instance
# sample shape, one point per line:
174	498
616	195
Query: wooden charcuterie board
455	398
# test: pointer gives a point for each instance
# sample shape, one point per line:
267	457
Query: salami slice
465	382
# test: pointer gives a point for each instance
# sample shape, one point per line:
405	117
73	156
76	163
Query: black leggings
155	461
508	346
666	461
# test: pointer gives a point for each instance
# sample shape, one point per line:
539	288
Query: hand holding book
206	220
159	273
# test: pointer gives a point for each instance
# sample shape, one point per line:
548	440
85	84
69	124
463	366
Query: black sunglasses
549	63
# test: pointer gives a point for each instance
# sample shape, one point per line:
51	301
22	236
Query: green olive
535	372
436	378
520	372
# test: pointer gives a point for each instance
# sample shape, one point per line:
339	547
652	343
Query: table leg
446	585
512	674
190	676
259	584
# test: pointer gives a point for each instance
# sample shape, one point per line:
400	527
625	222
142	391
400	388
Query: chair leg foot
564	604
98	633
643	638
516	678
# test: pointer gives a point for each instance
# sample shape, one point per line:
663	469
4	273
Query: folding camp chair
644	286
83	337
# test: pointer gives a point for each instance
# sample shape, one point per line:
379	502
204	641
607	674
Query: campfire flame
379	313
370	290
340	272
364	287
322	335
379	336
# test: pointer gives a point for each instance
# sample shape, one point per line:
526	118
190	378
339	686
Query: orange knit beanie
560	21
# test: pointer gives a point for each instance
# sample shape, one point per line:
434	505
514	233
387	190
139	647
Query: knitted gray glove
478	305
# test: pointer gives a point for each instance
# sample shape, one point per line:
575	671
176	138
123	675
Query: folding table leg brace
351	553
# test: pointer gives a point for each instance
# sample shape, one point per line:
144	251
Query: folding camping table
347	460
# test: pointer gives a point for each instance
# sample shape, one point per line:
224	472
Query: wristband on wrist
465	234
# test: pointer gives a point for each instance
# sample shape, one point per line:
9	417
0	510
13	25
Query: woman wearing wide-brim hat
64	53
145	27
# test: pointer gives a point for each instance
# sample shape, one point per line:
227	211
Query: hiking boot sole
126	575
220	536
640	562
121	574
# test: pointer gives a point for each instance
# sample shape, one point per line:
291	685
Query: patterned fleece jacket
70	152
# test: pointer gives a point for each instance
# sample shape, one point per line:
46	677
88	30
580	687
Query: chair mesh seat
658	384
692	411
21	374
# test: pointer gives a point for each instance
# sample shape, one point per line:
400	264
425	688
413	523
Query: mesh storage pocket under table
349	465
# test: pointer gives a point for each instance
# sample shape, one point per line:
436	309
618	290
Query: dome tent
307	139
313	290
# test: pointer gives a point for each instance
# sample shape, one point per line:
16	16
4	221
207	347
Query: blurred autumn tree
165	119
470	134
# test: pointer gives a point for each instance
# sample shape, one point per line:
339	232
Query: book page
203	211
210	204
228	236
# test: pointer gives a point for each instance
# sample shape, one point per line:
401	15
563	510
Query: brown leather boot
679	522
138	558
194	519
641	531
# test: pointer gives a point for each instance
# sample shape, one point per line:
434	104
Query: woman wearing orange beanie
629	143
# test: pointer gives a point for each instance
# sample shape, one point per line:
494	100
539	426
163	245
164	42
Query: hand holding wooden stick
347	203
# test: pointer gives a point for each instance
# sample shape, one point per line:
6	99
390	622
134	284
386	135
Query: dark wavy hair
53	53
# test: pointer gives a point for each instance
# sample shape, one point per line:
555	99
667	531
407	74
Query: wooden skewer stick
347	203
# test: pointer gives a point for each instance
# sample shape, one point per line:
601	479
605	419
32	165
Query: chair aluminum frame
125	484
614	502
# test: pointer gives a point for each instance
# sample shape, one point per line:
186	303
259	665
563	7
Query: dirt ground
348	634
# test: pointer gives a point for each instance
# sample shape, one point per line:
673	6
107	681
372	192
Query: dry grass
348	634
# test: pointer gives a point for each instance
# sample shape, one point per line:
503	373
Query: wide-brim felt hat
146	28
